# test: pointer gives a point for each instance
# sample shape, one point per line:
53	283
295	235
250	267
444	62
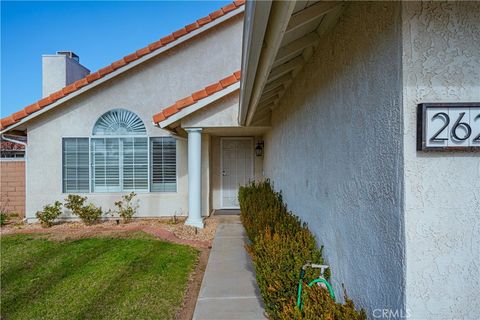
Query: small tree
49	214
127	207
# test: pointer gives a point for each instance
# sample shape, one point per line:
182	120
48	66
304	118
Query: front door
236	168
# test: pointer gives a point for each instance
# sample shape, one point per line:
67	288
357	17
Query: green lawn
135	277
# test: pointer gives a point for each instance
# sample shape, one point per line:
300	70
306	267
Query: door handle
224	173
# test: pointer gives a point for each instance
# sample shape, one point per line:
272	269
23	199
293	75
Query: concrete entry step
229	289
226	212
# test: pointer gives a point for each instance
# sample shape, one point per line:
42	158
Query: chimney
59	70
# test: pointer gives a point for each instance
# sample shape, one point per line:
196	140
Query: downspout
25	160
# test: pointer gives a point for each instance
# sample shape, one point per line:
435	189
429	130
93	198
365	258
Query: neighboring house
326	107
12	174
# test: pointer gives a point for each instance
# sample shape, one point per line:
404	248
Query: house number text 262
448	126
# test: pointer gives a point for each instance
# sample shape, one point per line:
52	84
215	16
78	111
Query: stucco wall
145	90
222	113
441	63
59	71
335	152
12	186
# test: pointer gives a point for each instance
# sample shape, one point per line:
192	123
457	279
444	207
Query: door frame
222	139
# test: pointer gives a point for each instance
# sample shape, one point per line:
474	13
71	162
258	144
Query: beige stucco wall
335	151
145	90
441	63
222	113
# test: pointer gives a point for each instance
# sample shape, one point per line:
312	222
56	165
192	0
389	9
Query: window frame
150	167
149	189
62	165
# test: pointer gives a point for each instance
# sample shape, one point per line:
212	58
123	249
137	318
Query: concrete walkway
229	289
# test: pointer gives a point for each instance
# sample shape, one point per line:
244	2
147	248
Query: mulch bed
166	229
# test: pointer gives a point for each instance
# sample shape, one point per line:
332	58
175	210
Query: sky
98	32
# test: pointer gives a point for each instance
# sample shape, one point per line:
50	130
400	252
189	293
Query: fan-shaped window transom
119	122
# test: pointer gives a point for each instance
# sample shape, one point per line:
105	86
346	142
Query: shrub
88	213
75	203
127	207
49	214
279	245
3	218
3	210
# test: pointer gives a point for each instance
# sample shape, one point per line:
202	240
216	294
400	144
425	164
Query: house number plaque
448	126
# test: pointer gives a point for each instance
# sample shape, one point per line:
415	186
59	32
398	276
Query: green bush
280	245
3	218
75	203
127	207
49	214
88	213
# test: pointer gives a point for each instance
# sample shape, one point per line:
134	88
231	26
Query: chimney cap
70	54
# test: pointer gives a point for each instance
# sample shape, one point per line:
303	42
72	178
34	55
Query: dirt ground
193	289
169	229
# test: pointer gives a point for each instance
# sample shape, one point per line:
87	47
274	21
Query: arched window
119	157
119	122
119	163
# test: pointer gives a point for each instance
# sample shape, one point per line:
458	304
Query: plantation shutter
106	165
135	164
75	165
163	164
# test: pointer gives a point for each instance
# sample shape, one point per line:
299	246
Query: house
331	104
12	174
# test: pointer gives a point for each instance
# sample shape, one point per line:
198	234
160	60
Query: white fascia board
254	27
199	105
129	66
278	19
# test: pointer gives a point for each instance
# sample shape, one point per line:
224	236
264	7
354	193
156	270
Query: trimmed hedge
280	245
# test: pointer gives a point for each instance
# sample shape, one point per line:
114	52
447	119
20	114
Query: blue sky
99	32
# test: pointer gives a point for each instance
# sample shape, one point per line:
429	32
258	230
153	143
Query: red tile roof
196	96
12	146
12	119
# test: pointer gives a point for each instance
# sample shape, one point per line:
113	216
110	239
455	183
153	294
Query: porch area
221	154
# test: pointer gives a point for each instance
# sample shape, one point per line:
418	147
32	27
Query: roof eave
127	67
265	24
199	105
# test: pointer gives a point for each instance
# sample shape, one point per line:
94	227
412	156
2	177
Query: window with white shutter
163	160
135	164
119	164
75	165
119	157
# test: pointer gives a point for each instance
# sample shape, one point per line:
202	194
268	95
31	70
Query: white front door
236	168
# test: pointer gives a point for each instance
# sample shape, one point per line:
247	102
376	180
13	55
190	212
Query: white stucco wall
441	63
58	71
145	90
335	151
222	113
